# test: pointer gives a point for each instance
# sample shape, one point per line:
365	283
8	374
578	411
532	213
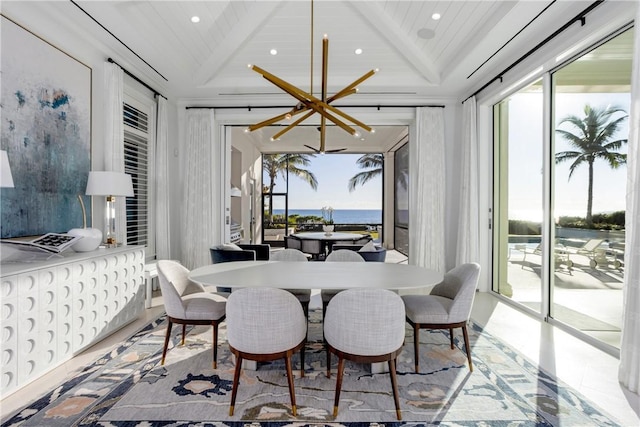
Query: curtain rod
249	107
121	42
579	17
511	39
137	79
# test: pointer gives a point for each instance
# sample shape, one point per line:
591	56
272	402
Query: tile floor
588	370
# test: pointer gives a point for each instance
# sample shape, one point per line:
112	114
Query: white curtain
427	190
114	137
468	227
200	194
162	175
629	372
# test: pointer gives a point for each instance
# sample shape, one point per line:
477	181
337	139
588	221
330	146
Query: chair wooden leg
336	400
184	332
292	393
215	345
451	337
326	348
302	359
416	345
466	344
166	341
394	386
236	381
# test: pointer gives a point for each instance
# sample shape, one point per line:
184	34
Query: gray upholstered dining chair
265	324
340	255
313	247
292	242
303	295
188	303
365	326
448	306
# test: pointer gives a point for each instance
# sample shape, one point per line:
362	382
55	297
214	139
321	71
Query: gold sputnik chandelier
310	104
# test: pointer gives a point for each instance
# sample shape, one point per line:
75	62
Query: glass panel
591	105
401	201
518	124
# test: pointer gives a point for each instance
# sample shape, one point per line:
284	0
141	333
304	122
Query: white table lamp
111	185
6	179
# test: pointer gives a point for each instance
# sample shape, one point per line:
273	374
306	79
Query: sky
332	172
525	156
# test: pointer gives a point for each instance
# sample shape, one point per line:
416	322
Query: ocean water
342	216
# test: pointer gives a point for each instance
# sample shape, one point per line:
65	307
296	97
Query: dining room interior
326	148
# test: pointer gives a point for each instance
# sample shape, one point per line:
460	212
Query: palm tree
280	164
592	141
373	162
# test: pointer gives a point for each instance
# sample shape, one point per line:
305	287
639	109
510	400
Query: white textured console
51	309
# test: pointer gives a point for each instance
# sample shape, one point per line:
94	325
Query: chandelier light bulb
195	19
249	66
288	116
246	130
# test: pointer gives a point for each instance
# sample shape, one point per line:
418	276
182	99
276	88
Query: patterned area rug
128	387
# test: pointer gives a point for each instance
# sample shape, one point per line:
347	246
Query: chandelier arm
353	85
273	120
348	117
324	113
299	94
323	123
341	94
294	124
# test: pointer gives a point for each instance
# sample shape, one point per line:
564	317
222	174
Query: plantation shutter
136	163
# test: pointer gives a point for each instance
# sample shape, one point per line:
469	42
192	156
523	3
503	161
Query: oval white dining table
315	275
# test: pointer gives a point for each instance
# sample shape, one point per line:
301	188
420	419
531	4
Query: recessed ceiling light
195	19
426	33
273	52
435	16
358	51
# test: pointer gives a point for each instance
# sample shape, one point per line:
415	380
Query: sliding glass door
518	209
559	185
591	99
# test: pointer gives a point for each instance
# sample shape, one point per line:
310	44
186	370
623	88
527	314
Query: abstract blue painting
46	131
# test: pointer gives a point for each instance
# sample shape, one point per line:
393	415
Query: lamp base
91	239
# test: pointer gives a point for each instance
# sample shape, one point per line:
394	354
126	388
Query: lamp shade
6	179
107	183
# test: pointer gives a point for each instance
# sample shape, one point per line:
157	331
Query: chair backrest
459	285
219	255
262	250
367	322
264	320
288	255
174	284
379	255
292	242
591	245
363	240
311	246
344	255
